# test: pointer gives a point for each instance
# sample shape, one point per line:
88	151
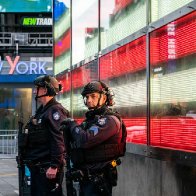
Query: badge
94	129
39	121
56	116
102	121
77	130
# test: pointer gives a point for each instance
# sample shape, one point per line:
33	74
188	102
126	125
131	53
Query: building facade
26	42
145	51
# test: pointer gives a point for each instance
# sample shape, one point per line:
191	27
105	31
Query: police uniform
94	145
43	147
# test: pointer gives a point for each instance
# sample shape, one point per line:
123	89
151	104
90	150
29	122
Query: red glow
184	40
131	57
121	4
127	59
174	133
80	77
136	130
63	44
65	82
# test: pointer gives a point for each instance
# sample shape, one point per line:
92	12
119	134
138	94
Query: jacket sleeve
97	133
57	147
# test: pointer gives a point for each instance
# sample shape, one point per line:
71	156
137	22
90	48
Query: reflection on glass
14	104
80	77
124	70
120	19
160	8
84	29
62	35
173	87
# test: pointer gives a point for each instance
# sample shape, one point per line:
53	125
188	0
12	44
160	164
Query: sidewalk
8	177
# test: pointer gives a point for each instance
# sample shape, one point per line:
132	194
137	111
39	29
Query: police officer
44	149
97	143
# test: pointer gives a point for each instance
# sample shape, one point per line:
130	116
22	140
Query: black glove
68	123
66	126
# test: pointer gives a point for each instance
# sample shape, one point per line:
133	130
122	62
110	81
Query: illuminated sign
16	67
33	21
171	40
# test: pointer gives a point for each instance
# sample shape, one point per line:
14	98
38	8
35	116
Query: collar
100	111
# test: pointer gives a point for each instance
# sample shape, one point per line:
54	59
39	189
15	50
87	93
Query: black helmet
52	85
99	87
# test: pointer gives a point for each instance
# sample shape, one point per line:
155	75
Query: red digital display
136	130
126	59
174	132
173	41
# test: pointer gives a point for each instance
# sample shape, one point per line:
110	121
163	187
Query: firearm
19	156
24	188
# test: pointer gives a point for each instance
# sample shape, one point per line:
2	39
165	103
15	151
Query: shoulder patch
56	116
102	121
94	129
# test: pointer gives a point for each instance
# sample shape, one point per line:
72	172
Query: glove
68	123
66	126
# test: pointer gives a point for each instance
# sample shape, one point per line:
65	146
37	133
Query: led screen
173	87
26	6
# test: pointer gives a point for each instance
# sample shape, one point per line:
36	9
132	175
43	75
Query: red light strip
126	59
174	133
183	40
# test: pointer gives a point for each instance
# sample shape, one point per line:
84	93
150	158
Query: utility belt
109	172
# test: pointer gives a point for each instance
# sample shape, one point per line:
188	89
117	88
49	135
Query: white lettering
171	33
171	41
40	21
33	67
172	46
41	67
24	67
170	56
44	21
23	70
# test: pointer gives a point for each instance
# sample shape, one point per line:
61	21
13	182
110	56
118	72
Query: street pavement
8	177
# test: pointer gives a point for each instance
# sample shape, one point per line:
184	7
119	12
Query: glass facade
15	103
26	42
150	71
119	19
161	8
173	95
62	36
84	29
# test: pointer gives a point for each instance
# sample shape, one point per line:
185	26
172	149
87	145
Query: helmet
52	85
99	87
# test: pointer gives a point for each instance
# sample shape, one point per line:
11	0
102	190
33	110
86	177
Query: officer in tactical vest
97	143
43	143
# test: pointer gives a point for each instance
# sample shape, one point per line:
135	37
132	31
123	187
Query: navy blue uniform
45	148
95	144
